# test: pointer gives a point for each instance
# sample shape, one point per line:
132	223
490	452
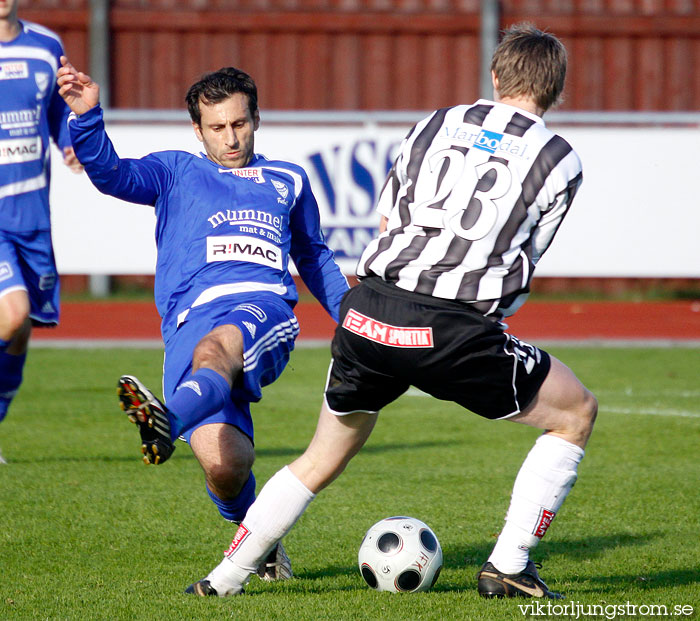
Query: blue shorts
27	264
269	330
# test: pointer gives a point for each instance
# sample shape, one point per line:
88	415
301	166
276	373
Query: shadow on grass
650	580
185	455
574	549
71	459
471	557
369	449
182	455
591	547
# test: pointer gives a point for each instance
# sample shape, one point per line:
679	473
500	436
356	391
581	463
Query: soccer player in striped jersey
228	221
473	200
31	115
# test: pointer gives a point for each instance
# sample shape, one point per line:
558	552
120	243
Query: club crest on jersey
282	189
393	336
488	141
15	70
42	81
254	174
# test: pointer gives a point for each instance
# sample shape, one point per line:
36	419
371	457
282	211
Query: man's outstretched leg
198	396
284	499
567	410
276	509
216	361
226	455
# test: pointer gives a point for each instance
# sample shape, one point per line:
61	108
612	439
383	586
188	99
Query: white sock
277	508
545	479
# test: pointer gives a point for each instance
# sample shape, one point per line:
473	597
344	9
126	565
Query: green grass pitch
88	532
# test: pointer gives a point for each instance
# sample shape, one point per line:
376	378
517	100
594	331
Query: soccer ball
400	554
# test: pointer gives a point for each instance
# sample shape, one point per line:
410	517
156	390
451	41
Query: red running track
534	321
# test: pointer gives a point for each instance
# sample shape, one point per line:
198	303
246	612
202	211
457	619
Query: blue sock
10	378
235	509
198	396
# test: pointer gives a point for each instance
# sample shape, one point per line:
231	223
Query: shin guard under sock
545	479
199	395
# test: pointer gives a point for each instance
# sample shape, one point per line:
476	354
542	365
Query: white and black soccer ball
400	554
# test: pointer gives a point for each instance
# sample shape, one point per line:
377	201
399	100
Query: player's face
8	9
227	131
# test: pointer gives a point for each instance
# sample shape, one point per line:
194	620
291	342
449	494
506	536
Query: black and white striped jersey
473	201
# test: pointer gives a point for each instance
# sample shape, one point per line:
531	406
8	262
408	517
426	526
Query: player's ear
197	131
256	120
494	81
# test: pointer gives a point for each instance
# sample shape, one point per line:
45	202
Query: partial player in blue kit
31	114
227	223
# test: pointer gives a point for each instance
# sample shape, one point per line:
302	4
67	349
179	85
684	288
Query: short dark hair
532	63
218	86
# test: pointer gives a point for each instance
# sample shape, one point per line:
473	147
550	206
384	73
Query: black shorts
389	339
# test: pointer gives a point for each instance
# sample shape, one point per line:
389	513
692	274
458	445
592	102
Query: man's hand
70	159
77	89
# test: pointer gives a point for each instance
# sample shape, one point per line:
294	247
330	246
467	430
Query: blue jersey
219	231
31	111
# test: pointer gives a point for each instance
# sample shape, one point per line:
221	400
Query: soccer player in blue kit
31	114
227	223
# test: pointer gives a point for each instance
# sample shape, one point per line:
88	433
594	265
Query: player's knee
587	411
318	473
227	475
207	349
14	323
591	407
211	352
227	480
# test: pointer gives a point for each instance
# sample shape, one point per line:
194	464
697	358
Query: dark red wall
383	54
